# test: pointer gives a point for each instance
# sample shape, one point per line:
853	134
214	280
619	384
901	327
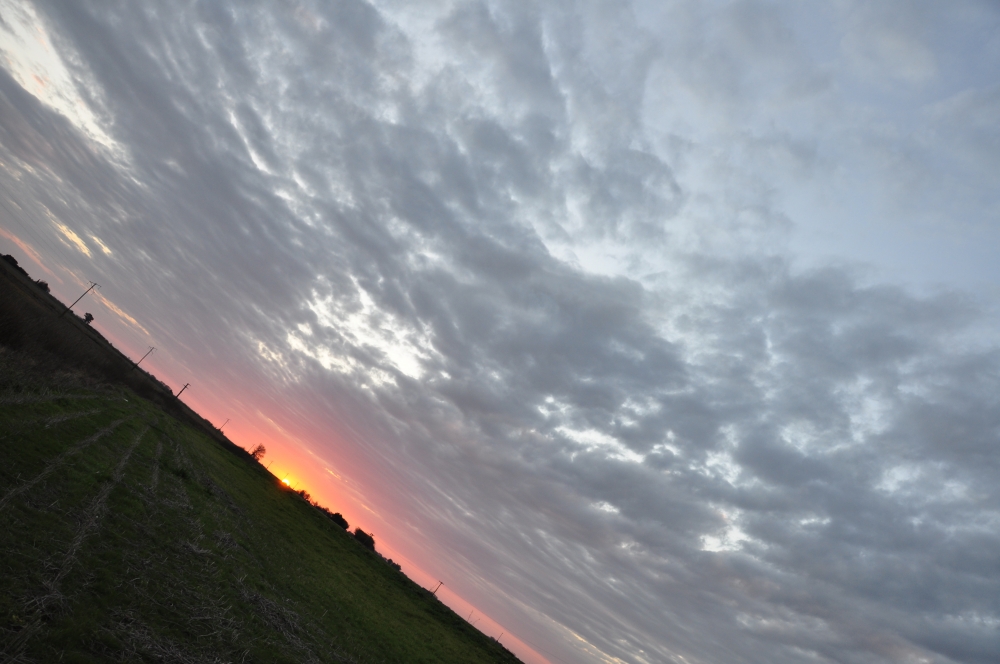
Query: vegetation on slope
127	534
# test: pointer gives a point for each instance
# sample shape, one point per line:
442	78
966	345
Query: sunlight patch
271	356
660	448
257	159
722	465
605	506
552	406
32	60
73	239
897	478
321	354
788	623
119	312
868	412
922	483
593	440
103	247
642	406
975	620
367	326
730	539
814	521
802	435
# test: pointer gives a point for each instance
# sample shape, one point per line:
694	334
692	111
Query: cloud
522	274
73	239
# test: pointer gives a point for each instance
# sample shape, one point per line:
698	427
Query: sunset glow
656	330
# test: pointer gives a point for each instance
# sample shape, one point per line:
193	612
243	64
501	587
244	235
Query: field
131	534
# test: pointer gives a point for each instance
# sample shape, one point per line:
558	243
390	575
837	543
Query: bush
13	262
258	452
365	539
336	517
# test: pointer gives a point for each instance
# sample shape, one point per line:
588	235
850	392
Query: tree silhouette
364	538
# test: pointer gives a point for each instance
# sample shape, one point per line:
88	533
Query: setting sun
286	482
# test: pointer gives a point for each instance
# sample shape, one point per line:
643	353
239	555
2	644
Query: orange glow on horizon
295	466
29	251
293	456
476	617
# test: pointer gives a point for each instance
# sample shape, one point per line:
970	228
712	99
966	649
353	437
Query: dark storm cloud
459	245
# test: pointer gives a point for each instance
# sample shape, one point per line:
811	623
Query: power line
151	349
93	285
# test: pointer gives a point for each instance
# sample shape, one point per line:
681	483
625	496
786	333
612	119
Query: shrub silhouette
365	539
336	517
258	452
13	261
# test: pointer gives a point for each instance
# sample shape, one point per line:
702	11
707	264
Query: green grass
127	535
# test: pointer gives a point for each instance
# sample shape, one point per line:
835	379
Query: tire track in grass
155	479
49	421
39	607
57	462
185	587
204	561
18	399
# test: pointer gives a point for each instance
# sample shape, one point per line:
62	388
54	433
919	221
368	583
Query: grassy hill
130	531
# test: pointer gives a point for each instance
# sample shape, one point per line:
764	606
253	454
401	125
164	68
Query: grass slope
129	535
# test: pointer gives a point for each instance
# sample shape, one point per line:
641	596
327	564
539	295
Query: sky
659	331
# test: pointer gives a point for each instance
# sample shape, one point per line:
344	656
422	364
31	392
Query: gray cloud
521	272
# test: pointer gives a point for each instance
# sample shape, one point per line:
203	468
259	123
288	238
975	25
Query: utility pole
500	637
151	349
186	385
93	284
435	591
224	424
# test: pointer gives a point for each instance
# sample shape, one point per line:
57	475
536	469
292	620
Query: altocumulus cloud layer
533	264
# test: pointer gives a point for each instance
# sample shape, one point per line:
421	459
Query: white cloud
532	263
40	67
364	325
